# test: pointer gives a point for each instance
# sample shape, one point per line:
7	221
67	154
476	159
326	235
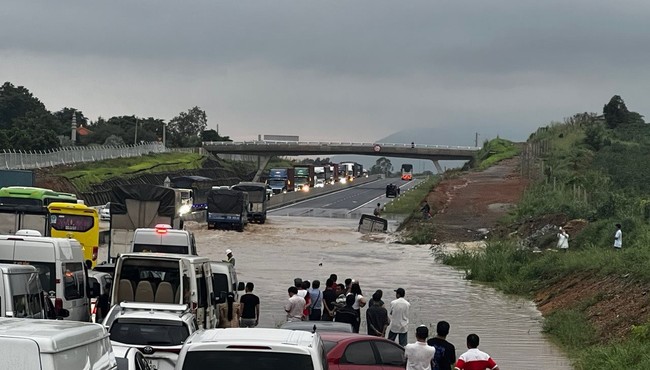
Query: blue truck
227	209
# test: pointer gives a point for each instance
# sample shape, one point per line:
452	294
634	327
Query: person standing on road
231	259
474	359
316	306
295	305
618	238
419	355
250	308
399	317
377	316
563	240
329	298
445	356
377	211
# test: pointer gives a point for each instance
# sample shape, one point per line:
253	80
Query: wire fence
23	160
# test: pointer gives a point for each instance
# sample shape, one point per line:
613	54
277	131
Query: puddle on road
273	254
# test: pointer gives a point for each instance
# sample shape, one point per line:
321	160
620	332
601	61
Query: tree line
25	124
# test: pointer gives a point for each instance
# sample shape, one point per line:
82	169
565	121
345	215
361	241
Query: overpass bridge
266	149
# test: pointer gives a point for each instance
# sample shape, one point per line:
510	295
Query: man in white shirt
419	354
295	305
618	238
399	317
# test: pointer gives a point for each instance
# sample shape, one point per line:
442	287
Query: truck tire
262	220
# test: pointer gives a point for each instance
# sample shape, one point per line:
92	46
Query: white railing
331	144
22	160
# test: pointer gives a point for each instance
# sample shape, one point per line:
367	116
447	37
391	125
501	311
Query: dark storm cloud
504	65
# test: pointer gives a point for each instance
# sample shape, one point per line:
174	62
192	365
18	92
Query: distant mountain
422	136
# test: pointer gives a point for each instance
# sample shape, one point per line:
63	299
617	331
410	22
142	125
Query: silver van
20	292
54	345
61	269
224	281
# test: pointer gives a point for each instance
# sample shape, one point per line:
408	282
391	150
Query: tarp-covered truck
256	200
227	209
137	206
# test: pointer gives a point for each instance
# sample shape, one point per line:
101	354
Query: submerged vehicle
227	209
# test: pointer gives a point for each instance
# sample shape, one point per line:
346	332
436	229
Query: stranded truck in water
227	209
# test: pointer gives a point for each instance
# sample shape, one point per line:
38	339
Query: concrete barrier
284	199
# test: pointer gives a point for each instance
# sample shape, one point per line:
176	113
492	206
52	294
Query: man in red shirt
474	359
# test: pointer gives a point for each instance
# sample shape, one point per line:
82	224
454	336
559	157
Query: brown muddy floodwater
272	255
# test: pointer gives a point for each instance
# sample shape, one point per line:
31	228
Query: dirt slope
469	205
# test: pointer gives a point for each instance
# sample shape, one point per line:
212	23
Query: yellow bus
76	221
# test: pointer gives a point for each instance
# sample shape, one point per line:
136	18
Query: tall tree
186	128
616	113
382	166
64	120
15	102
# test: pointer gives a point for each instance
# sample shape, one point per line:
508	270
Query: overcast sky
333	70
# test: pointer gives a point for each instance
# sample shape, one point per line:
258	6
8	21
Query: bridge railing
332	143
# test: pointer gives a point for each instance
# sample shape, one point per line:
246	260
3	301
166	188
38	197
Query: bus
79	222
31	196
407	172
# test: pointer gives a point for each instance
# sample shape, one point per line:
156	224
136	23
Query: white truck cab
61	269
54	345
163	239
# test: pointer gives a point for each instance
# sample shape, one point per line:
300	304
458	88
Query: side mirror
89	264
213	299
223	297
63	313
241	286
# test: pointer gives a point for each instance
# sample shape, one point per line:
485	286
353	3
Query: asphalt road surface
348	203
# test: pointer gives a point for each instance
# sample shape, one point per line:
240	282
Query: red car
349	351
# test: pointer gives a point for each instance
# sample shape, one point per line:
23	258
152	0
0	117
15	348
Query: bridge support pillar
437	165
262	161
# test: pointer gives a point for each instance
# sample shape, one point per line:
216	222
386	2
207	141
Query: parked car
318	326
105	212
158	330
105	282
130	358
252	348
348	351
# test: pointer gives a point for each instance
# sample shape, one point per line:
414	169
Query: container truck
137	206
304	177
334	173
280	180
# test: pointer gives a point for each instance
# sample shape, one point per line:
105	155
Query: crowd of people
343	302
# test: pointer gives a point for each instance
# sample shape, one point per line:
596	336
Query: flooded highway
272	255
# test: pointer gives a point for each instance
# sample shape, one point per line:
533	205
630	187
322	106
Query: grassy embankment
599	175
86	174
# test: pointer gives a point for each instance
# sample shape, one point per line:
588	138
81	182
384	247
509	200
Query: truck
256	210
227	208
140	206
334	173
304	176
322	175
281	180
347	170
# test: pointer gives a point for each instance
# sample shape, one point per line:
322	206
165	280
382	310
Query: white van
253	348
167	278
54	345
20	292
163	239
61	269
224	281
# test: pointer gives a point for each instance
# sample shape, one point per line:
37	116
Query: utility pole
476	140
135	139
164	129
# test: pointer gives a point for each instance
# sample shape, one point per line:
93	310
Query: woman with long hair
229	313
359	300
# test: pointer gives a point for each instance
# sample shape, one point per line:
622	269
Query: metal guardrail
331	143
22	160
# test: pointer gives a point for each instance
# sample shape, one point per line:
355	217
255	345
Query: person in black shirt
348	314
250	308
445	356
329	298
377	316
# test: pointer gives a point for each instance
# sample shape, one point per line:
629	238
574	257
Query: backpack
437	357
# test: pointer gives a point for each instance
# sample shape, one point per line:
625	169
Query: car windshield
236	360
151	334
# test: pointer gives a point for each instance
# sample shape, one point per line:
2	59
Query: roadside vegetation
589	171
493	152
85	174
